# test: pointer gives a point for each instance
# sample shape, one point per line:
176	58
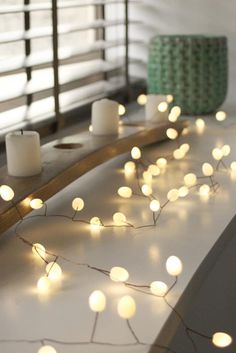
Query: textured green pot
194	68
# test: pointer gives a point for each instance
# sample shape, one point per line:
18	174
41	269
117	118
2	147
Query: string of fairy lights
144	171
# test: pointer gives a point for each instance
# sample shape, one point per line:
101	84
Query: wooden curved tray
61	166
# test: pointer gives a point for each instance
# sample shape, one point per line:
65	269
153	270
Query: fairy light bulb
183	191
204	190
200	124
172	117
226	150
207	169
142	99
90	128
125	192
6	193
78	204
47	349
119	274
176	110
95	221
54	271
169	98
121	109
119	218
154	170
217	154
161	163
146	190
221	116
233	166
43	284
36	204
135	153
126	307
173	195
97	301
154	205
147	176
190	179
162	107
129	167
178	154
39	250
221	339
174	266
171	133
185	147
158	288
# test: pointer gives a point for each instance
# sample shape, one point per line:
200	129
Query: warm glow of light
176	110
147	176
130	167
54	271
233	166
36	204
154	170
162	107
126	307
146	190
207	169
6	193
119	274
119	218
121	110
142	99
171	133
161	163
135	153
190	179
221	339
226	150
43	284
169	98
154	205
78	204
217	154
183	191
185	131
95	221
172	117
90	128
158	288
204	190
185	147
174	266
173	195
125	192
97	301
39	250
221	116
47	349
200	124
178	154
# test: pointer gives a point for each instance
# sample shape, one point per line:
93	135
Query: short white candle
156	108
23	153
105	117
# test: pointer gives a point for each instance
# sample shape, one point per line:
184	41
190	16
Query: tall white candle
23	153
156	108
105	117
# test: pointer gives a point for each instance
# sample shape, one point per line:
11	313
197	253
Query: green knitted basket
193	68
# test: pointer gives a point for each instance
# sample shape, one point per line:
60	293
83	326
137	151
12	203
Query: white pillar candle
156	108
23	153
105	117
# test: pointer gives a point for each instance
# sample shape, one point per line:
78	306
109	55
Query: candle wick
21	131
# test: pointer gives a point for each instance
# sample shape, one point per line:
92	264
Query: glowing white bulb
158	288
97	301
54	271
162	107
233	166
204	190
185	147
176	110
171	133
178	154
200	124
130	167
221	116
172	117
154	205
126	307
125	192
90	128
147	176
121	110
119	274
135	153
183	191
6	193
174	266
154	170
146	190
226	150
169	98
207	169
221	339
190	179
173	195
142	99
36	204
78	204
217	154
119	218
47	349
95	221
43	284
161	163
39	250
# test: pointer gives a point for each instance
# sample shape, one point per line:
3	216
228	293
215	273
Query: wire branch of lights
126	306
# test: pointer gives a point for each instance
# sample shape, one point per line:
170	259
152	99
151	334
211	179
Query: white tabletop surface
187	228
